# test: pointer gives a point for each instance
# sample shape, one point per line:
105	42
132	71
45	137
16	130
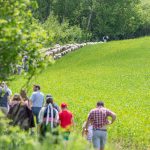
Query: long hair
23	95
17	97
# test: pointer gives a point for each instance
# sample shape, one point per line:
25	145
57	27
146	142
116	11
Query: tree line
26	26
119	19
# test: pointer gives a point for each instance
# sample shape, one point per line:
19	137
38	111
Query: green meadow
117	73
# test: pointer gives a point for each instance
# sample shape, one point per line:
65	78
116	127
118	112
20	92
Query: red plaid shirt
99	117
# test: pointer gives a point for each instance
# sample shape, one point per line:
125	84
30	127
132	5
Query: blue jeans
36	111
99	139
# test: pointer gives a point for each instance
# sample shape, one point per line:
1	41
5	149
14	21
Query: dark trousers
36	111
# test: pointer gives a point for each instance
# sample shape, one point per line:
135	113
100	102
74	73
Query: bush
62	33
13	138
20	34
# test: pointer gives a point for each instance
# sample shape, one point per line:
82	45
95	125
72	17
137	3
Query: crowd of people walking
22	110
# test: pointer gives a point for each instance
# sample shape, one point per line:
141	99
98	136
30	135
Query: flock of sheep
59	51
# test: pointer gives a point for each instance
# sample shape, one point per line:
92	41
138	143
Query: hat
63	105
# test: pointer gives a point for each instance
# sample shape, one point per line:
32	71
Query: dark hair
23	94
49	100
37	87
17	97
100	103
49	95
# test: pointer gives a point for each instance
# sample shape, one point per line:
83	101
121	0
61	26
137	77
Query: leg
66	135
36	111
37	114
103	140
96	140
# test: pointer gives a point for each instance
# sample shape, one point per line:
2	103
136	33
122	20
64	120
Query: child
66	120
89	132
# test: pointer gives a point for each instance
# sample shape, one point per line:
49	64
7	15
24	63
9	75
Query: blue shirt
37	99
4	97
4	100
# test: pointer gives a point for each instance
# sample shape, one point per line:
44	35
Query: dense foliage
20	35
13	138
61	33
118	19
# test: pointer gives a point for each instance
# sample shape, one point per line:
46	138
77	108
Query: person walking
48	118
37	99
99	117
52	101
5	94
88	134
66	121
25	98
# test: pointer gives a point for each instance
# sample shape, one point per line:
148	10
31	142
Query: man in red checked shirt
66	120
99	117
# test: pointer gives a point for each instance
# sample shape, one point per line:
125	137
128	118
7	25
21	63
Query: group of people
21	110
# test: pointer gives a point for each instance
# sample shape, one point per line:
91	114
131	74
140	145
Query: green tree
61	33
19	34
44	9
115	18
65	9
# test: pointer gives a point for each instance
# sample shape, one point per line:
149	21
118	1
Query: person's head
49	100
16	97
23	94
63	106
100	104
3	84
49	95
36	88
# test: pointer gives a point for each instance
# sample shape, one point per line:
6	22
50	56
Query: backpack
52	113
46	111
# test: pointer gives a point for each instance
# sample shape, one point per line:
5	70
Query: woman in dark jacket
20	114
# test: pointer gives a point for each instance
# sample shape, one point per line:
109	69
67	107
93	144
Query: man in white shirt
37	99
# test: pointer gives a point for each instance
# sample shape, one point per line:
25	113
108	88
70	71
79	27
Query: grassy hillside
116	72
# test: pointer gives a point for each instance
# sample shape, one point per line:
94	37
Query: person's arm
83	129
30	102
43	100
32	98
57	107
112	115
72	121
87	124
57	116
6	89
90	117
9	91
41	115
